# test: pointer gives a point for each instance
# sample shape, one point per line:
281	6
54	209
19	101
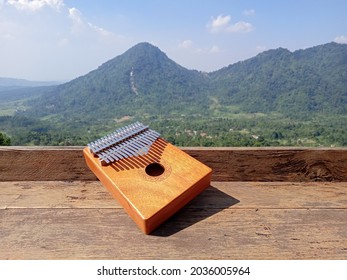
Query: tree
4	140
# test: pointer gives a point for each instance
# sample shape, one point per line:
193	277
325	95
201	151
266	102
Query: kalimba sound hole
154	169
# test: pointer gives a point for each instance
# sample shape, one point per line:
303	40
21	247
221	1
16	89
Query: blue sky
63	39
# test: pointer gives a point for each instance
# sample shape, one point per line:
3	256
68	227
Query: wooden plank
230	220
55	194
26	164
228	164
275	164
220	195
190	234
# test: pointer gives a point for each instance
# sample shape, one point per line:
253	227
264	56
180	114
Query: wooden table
263	203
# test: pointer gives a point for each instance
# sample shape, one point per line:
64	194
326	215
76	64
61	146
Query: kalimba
151	178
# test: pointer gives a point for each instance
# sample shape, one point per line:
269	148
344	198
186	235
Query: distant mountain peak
140	54
144	45
278	52
145	50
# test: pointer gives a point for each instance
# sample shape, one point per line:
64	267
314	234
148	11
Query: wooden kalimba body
151	178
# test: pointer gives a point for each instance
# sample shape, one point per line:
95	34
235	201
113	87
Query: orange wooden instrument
151	178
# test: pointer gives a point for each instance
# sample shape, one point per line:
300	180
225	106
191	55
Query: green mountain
299	95
294	83
143	80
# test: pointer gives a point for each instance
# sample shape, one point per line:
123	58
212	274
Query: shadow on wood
193	212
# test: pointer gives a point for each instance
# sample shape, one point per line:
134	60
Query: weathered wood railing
228	164
263	203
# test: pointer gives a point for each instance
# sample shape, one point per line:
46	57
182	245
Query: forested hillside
142	80
276	98
296	84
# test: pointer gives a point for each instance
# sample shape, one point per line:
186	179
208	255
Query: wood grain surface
228	164
266	203
243	195
230	220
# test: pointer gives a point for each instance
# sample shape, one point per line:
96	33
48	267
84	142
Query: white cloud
80	25
249	13
214	49
220	21
222	24
341	39
240	27
185	44
75	15
34	5
77	22
100	30
218	24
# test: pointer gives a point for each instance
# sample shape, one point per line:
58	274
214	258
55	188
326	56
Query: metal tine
126	133
148	138
117	136
114	156
137	138
153	134
117	153
120	152
106	141
104	157
128	148
102	140
129	145
145	148
110	156
136	147
146	134
145	142
117	133
125	150
132	140
133	146
111	136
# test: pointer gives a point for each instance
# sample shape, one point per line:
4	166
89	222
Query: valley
278	98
